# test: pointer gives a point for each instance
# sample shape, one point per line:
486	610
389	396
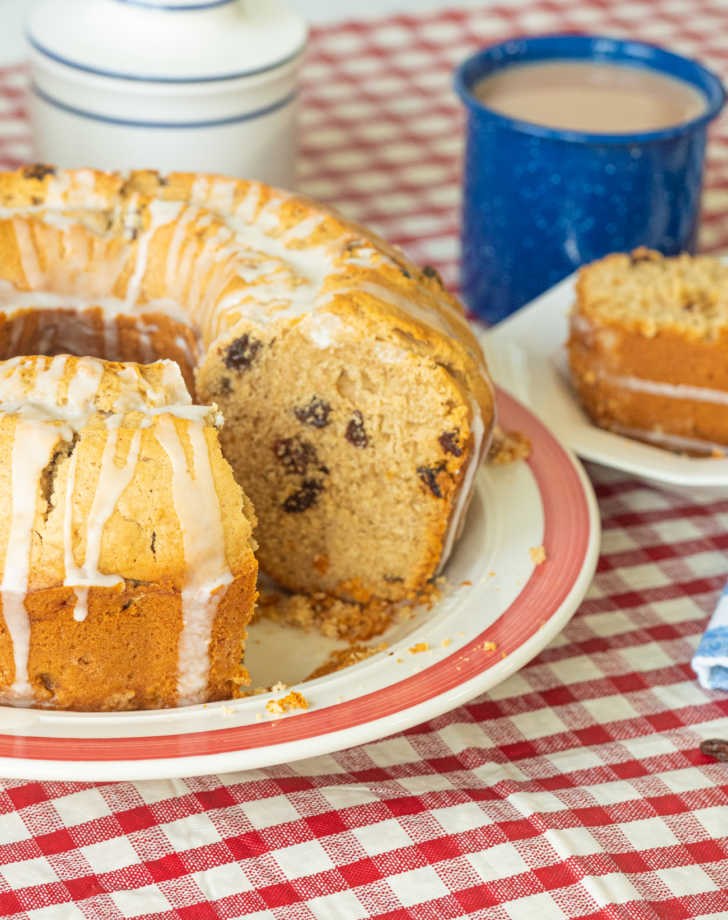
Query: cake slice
648	348
126	555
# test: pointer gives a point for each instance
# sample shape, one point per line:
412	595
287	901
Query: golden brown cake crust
648	347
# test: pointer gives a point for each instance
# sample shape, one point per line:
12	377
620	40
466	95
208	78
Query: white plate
497	596
527	357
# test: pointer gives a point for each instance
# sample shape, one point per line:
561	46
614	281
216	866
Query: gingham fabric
576	789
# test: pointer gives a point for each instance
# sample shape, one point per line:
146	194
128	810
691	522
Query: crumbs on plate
489	646
342	658
419	647
508	447
292	700
538	555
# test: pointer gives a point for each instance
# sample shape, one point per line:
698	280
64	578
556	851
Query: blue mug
538	201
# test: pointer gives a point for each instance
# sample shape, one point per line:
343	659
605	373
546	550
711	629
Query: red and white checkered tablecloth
576	789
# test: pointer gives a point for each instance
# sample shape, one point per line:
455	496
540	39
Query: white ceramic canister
167	84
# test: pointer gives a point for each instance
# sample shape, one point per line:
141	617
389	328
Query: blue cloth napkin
710	661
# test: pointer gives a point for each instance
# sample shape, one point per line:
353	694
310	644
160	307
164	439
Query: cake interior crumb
344	657
292	700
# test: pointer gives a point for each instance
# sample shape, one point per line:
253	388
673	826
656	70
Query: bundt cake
648	348
356	400
128	568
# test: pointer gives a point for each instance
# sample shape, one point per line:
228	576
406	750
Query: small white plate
499	612
527	357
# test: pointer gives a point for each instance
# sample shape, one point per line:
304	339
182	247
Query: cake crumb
489	646
400	661
321	564
353	621
329	616
446	642
345	657
419	647
538	555
259	717
293	700
278	687
466	584
508	446
503	655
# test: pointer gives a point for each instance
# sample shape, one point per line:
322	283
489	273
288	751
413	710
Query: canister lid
167	41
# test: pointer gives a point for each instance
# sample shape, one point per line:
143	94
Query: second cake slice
648	348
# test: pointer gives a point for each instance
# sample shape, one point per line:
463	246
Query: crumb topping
647	291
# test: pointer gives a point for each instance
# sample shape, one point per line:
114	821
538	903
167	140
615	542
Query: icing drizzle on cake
197	508
32	451
55	405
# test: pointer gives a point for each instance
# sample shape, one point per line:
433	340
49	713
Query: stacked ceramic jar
169	84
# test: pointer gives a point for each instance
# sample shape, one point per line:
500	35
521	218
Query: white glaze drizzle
674	442
465	492
248	207
198	511
221	196
171	274
57	190
28	258
32	450
46	384
326	331
83	385
670	390
85	183
161	213
112	482
581	326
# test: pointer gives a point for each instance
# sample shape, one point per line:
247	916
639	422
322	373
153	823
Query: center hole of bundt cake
141	339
